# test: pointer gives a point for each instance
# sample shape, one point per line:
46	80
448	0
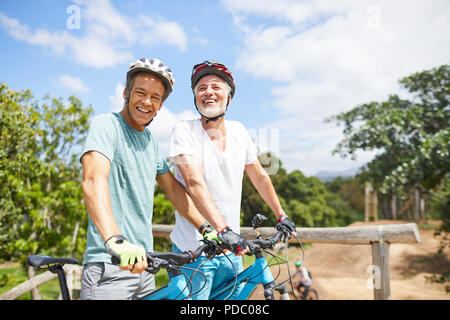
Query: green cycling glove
118	246
208	232
211	235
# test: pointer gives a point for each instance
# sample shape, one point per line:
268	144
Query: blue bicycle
177	289
259	272
180	287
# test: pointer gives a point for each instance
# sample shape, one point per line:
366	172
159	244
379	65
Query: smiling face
145	101
211	95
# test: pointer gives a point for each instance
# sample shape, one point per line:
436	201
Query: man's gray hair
227	87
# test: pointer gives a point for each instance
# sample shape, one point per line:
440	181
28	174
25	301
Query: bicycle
178	287
311	295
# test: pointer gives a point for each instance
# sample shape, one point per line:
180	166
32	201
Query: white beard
210	112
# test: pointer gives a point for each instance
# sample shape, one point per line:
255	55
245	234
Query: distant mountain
326	176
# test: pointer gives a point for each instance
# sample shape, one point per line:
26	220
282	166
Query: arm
96	193
192	173
97	198
177	195
261	180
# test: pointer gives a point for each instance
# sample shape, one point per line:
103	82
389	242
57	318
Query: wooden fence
380	237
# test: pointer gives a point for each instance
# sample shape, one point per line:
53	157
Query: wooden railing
380	237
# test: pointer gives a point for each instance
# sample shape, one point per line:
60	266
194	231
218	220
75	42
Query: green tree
251	202
305	199
42	208
349	191
411	136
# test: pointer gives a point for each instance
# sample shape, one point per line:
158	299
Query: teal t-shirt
135	162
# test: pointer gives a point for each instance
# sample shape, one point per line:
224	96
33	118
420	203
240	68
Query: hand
132	257
210	234
286	224
233	241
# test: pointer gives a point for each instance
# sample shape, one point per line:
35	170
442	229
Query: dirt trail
340	271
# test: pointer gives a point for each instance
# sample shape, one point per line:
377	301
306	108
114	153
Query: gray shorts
104	281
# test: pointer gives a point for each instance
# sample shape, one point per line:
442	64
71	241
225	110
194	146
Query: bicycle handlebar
265	243
157	260
178	258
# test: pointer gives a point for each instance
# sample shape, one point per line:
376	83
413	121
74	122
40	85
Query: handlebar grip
115	260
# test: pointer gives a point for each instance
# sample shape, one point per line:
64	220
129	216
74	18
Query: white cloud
291	11
104	21
74	84
161	31
107	35
326	57
116	100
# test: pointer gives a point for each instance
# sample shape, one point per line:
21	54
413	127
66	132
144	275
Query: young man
120	163
210	155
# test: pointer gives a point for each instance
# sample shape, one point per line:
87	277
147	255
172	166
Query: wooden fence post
380	256
380	259
394	207
371	203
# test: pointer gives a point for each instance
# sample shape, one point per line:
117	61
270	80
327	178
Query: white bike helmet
153	66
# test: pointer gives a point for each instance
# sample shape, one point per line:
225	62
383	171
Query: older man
210	155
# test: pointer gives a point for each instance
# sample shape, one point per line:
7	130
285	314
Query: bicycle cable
277	258
187	284
298	270
235	277
192	277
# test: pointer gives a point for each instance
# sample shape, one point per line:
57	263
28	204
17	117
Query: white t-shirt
223	172
304	277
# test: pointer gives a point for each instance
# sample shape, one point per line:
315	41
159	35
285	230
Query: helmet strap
208	119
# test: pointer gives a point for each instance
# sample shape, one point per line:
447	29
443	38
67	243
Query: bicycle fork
281	288
270	286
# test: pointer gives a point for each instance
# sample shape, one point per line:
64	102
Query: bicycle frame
257	273
176	289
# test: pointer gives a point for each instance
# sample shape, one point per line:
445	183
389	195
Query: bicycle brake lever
213	249
154	264
251	248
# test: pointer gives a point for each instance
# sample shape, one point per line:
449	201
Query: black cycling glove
284	223
231	240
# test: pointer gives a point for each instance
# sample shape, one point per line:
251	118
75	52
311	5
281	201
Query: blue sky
295	62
